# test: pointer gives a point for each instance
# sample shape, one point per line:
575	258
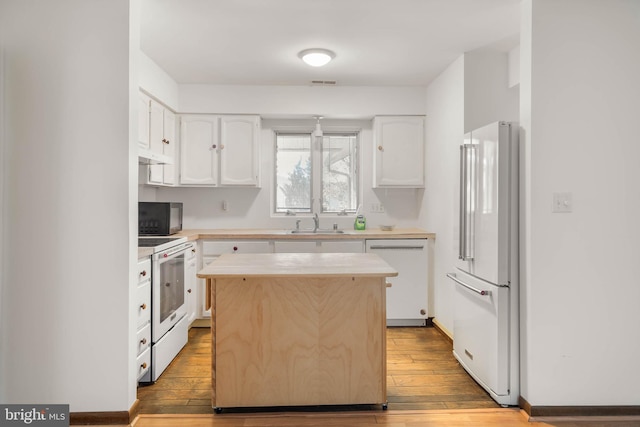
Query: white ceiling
377	42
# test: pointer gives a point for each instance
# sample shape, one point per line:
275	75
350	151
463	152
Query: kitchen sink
320	231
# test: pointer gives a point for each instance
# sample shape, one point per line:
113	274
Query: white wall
154	80
445	128
65	318
338	102
488	96
580	115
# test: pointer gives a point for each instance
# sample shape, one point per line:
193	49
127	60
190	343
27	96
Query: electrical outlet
377	208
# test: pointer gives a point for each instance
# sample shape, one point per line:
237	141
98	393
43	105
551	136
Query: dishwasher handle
420	247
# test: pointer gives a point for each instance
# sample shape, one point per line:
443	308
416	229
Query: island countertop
297	265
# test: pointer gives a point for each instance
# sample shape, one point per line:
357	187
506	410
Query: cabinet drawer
143	338
143	363
144	270
143	304
230	246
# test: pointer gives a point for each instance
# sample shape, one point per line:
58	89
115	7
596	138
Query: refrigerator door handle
467	199
482	292
461	209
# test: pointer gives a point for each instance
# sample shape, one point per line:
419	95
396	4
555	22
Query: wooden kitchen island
298	329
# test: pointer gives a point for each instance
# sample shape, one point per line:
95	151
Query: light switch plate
562	203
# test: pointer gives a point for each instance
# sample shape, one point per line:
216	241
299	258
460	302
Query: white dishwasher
407	298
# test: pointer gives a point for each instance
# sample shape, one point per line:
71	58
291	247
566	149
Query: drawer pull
143	306
189	291
143	273
143	341
144	365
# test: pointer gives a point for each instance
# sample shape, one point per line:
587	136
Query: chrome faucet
316	223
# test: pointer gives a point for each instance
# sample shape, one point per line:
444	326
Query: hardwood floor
425	387
421	374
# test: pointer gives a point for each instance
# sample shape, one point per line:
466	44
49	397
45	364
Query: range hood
147	157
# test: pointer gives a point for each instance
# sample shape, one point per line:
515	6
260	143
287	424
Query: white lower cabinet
212	249
191	283
143	320
319	246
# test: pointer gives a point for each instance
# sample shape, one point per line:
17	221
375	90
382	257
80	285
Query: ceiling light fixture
317	57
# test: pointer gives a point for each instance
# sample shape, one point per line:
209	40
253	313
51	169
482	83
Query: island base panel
298	341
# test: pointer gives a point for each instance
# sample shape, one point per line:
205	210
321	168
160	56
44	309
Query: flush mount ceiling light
317	57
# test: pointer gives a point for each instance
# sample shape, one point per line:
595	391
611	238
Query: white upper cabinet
399	151
198	150
162	140
219	150
239	137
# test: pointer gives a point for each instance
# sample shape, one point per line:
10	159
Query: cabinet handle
166	141
188	290
221	146
235	248
193	250
214	146
143	306
144	365
380	148
143	273
143	341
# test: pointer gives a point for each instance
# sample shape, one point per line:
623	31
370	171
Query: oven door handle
172	252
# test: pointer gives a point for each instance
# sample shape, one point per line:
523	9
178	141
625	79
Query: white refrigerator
486	309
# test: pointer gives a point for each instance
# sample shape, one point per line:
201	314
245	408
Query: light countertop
281	234
297	265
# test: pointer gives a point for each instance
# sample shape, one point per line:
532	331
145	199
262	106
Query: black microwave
159	218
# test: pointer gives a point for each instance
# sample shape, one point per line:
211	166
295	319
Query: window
316	176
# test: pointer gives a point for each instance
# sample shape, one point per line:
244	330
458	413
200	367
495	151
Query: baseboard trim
577	411
445	333
105	418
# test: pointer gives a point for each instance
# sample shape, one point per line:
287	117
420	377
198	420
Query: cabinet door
169	146
296	246
348	247
190	282
399	151
198	150
162	136
143	120
239	150
156	127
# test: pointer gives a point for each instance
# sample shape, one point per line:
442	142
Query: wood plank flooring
421	374
425	387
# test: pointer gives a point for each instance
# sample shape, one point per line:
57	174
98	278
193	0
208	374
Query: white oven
169	323
168	291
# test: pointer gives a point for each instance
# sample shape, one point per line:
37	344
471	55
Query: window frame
316	170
